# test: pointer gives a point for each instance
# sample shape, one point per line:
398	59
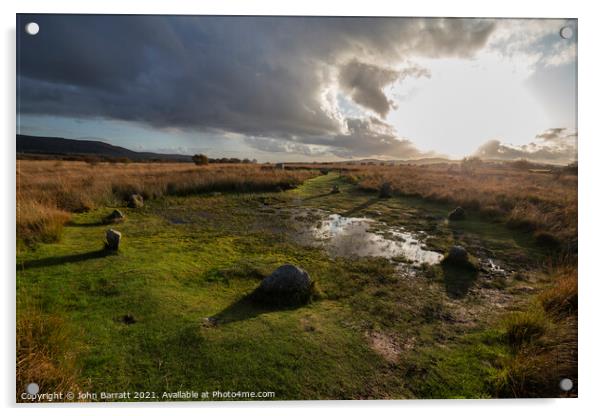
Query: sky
303	88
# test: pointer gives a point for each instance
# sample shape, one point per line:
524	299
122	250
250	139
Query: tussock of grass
523	328
543	341
562	298
36	221
44	353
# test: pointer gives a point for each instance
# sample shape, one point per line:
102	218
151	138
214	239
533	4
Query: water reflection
351	237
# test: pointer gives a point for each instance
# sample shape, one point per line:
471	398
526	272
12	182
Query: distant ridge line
58	146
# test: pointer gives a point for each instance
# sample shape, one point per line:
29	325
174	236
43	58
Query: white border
589	193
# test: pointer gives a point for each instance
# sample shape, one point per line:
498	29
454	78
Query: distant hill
56	146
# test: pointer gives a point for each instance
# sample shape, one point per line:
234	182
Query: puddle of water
349	237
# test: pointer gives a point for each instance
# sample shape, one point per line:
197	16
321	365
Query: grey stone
209	321
135	201
288	285
457	254
115	216
457	214
113	239
385	190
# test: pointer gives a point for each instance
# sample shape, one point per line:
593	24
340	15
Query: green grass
184	259
466	370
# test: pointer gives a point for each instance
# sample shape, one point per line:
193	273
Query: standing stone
135	201
457	214
113	239
386	190
457	255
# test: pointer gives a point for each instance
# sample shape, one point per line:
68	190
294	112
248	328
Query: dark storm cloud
260	77
363	137
369	137
365	82
556	145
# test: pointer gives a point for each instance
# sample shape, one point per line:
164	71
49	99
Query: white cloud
556	145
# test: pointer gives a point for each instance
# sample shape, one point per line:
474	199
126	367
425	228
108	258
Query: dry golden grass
544	341
43	345
562	298
544	203
48	191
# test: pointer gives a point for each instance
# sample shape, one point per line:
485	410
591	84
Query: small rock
115	216
113	239
335	189
288	285
385	190
209	321
128	319
135	201
457	214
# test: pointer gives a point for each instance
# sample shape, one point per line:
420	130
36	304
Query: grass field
169	312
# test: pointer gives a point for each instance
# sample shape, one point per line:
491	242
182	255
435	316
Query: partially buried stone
136	201
288	285
115	216
457	214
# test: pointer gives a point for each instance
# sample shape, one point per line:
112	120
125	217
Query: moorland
389	317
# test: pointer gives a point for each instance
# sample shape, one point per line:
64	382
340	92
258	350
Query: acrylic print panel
290	208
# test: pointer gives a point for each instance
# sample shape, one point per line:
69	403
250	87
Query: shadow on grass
318	196
243	309
89	224
361	206
57	260
458	280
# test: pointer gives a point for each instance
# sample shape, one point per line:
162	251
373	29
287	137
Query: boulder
457	256
457	214
288	285
385	190
335	189
135	201
115	216
113	239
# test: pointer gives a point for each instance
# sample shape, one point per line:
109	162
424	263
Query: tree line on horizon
201	159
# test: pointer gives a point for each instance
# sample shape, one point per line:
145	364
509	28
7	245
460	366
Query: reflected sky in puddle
350	237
